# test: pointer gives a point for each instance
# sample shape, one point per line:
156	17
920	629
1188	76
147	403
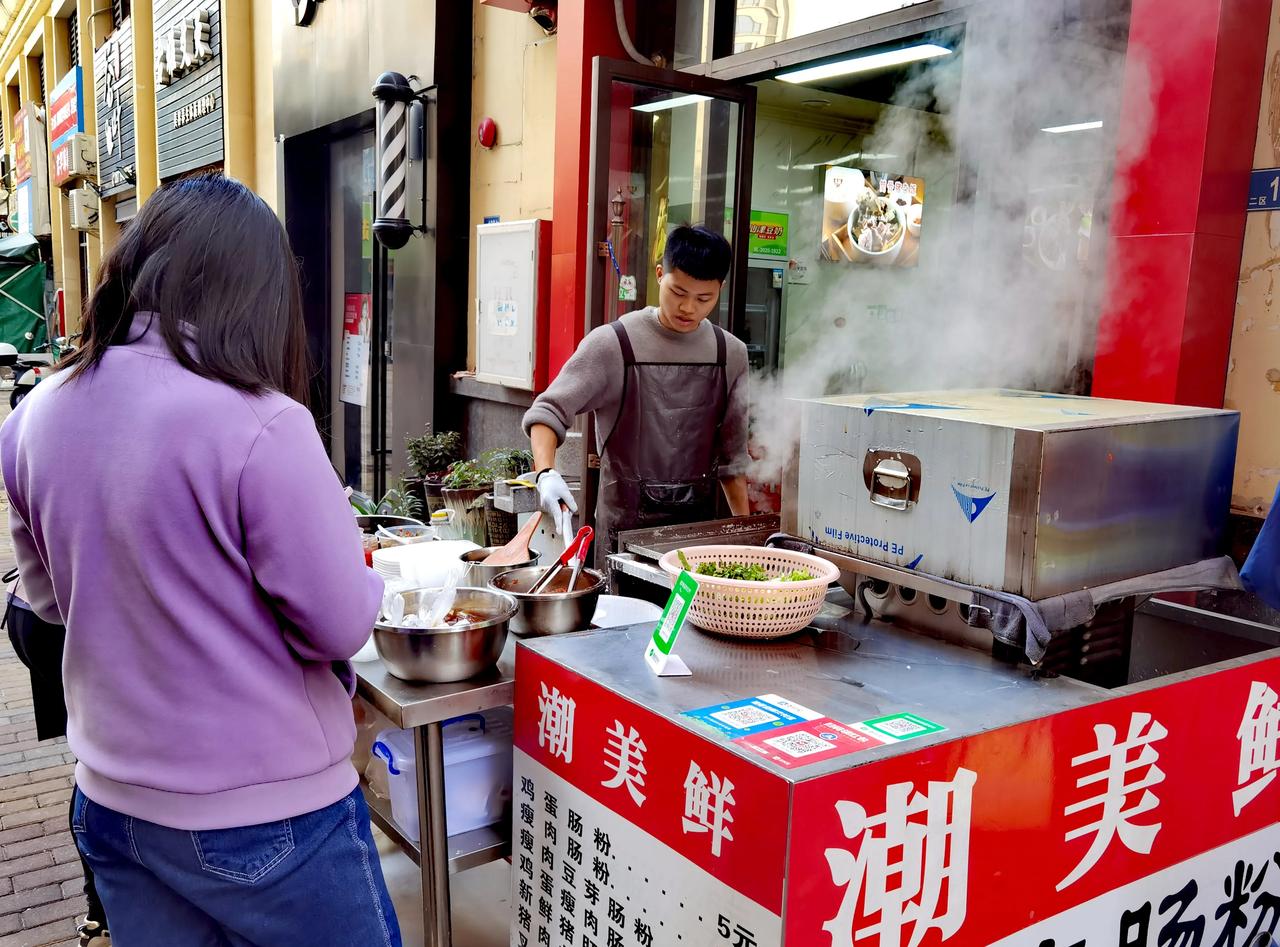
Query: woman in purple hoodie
172	504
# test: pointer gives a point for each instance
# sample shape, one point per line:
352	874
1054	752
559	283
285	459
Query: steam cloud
1011	268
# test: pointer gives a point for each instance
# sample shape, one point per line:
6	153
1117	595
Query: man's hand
557	502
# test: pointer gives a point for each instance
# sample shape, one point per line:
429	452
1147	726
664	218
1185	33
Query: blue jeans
314	879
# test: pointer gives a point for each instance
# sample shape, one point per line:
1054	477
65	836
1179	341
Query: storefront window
760	23
937	221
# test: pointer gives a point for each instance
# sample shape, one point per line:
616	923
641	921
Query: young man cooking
669	393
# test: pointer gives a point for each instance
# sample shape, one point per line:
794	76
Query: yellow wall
264	100
1253	376
514	83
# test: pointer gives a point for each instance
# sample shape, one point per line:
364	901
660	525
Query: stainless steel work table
423	708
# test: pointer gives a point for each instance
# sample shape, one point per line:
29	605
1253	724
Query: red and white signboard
66	116
1144	820
21	147
357	315
630	830
1151	819
62	162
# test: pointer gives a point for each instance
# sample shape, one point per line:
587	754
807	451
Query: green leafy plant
508	462
362	503
395	502
398	501
470	475
432	454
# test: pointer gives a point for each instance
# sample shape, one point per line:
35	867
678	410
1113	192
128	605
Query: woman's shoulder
267	406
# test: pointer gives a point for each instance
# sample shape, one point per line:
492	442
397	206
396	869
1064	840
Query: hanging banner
66	112
357	317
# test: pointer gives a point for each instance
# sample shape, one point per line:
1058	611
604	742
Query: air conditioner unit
84	206
75	158
84	155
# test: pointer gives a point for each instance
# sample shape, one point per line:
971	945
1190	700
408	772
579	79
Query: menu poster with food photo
871	218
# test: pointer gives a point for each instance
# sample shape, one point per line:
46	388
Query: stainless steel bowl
441	655
556	610
480	574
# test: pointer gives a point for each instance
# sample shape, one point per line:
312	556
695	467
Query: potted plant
465	487
430	456
507	464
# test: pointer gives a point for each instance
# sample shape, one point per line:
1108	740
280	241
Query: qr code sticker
900	727
799	744
742	718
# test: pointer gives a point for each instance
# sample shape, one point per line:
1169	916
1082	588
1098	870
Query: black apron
660	463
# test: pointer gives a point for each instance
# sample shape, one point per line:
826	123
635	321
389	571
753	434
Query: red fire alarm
487	132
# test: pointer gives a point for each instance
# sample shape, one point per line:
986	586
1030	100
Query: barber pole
394	94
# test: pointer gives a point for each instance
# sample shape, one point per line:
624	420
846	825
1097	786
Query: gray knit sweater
592	381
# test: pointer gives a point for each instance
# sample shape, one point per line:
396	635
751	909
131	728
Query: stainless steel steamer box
1031	493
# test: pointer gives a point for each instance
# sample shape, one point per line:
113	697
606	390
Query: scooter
30	367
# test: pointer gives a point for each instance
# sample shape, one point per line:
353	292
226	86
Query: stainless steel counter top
415	705
847	671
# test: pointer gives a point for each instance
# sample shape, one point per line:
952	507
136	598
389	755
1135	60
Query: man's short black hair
699	252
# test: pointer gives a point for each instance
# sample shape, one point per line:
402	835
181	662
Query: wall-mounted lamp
400	123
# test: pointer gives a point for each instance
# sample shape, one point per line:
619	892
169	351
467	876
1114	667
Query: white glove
552	492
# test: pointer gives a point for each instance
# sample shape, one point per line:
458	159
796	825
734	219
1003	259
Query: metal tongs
576	552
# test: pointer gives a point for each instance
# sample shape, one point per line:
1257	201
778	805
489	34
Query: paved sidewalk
40	877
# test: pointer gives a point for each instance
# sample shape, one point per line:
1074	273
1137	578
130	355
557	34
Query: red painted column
1193	76
586	29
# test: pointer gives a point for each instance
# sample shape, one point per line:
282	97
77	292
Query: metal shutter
73	31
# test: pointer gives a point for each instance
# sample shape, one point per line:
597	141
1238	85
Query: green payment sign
768	234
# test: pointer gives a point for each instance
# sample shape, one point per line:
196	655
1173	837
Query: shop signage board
30	173
1146	819
1132	821
62	161
629	829
113	87
21	146
188	74
66	110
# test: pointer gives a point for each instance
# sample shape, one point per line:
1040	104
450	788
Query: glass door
360	378
667	148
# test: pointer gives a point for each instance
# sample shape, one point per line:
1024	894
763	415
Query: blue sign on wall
1264	189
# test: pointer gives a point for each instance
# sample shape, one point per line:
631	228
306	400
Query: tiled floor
481	900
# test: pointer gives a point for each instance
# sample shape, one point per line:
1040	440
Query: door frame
604	73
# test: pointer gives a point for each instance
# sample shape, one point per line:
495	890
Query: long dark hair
206	252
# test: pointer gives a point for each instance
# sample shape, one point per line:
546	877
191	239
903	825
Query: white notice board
506	311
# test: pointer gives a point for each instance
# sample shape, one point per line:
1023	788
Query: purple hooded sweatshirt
197	544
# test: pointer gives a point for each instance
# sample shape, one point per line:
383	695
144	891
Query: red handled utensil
580	559
570	551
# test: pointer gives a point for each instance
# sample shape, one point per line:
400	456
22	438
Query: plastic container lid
400	743
478	735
